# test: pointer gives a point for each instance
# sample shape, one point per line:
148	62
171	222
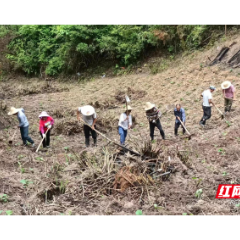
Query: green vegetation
69	49
4	198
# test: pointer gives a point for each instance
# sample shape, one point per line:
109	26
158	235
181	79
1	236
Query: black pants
159	126
87	130
46	141
206	114
177	125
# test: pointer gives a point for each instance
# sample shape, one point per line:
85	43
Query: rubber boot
176	132
87	142
95	142
163	136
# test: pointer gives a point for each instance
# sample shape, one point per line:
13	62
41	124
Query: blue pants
123	134
24	134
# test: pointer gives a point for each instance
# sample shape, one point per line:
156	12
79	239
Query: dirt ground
71	180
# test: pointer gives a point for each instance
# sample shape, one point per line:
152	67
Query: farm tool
222	115
131	151
12	138
189	134
42	140
127	101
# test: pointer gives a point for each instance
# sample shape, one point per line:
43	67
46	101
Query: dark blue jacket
180	114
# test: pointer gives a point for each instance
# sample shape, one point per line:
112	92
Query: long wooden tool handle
14	134
11	140
42	140
218	109
110	139
126	105
184	127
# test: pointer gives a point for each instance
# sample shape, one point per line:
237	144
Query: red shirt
43	124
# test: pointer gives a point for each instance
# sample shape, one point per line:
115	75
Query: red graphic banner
228	191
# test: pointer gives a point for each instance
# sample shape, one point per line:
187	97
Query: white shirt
126	123
206	96
88	119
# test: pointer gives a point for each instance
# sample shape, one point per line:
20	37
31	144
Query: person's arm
183	116
94	120
121	118
174	112
41	126
52	121
42	129
234	90
130	122
21	119
211	102
78	113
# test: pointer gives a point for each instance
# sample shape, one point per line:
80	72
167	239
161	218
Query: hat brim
228	85
87	110
44	115
128	108
149	108
13	112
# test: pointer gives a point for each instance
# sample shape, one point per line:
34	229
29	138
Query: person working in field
89	116
228	94
23	124
153	115
207	101
125	123
45	125
179	113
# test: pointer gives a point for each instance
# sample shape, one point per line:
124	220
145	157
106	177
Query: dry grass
71	180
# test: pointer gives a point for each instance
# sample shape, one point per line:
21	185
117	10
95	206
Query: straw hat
13	110
87	110
128	108
43	114
226	85
149	106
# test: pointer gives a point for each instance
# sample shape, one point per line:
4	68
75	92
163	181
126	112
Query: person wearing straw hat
89	116
153	115
125	123
23	124
206	105
45	125
228	94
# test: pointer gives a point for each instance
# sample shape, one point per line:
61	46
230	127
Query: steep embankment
80	182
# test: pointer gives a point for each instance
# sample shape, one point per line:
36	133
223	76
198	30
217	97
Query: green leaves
198	193
139	212
26	182
9	212
56	49
4	198
67	48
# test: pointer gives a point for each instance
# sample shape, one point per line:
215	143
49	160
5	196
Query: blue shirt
23	122
180	114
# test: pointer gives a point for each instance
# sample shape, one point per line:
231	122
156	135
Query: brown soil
68	179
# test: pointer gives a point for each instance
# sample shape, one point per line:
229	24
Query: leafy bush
70	48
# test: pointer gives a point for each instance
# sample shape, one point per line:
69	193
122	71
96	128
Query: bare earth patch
69	179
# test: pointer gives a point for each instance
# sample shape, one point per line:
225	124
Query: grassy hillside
71	180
